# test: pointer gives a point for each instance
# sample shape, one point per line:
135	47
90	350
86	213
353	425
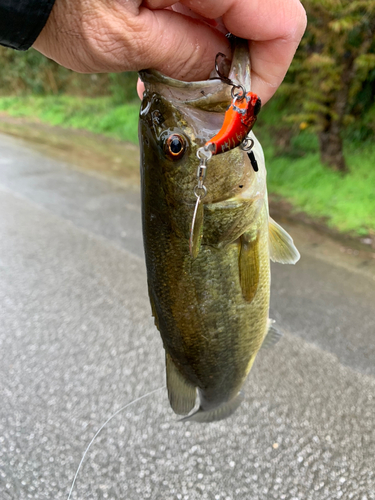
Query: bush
26	73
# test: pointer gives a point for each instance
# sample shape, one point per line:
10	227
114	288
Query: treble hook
235	86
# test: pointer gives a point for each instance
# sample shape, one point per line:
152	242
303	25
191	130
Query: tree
335	58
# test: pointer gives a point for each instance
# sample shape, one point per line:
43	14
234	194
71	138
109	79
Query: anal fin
181	393
282	248
216	414
153	311
249	264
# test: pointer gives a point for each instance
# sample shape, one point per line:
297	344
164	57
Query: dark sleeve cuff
21	21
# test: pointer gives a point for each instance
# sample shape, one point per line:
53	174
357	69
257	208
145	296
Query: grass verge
346	203
99	115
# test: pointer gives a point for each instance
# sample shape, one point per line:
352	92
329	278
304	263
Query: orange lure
238	121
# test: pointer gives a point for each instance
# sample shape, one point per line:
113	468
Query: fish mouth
154	76
212	93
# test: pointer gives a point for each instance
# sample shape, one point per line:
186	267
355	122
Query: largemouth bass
210	303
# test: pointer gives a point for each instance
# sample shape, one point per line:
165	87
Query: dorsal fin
181	393
282	248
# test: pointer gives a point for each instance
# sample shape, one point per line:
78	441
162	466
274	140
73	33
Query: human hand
92	36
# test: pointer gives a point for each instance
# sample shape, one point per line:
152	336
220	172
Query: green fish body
211	308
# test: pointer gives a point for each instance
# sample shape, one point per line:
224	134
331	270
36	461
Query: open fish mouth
212	93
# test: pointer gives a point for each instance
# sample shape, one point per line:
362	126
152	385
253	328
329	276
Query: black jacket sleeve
21	21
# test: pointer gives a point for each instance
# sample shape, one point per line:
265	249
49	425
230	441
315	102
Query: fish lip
154	76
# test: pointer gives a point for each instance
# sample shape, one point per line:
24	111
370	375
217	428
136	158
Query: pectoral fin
282	248
249	264
181	393
272	337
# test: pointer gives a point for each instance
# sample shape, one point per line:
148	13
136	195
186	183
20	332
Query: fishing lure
239	119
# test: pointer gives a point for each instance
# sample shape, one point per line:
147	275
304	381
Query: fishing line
102	427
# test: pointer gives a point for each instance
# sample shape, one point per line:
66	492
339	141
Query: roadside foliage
332	78
25	73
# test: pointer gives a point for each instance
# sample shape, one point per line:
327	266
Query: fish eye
175	146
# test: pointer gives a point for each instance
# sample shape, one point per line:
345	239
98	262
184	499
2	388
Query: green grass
99	115
346	202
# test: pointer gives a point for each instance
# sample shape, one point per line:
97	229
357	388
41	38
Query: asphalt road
77	342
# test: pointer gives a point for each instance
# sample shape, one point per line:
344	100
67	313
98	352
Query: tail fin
216	414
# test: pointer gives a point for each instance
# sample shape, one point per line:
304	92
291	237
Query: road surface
77	342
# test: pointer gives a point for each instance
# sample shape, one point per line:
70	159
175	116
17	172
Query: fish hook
235	86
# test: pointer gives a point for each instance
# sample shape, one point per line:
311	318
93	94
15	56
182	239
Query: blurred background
318	132
77	340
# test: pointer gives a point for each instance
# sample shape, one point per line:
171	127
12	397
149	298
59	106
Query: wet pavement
77	342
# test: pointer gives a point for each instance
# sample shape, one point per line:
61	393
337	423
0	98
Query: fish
209	285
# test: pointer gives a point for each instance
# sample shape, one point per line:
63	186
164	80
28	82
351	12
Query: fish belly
209	329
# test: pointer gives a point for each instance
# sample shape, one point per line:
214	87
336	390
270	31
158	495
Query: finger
253	19
158	4
177	45
275	28
140	88
182	9
270	61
